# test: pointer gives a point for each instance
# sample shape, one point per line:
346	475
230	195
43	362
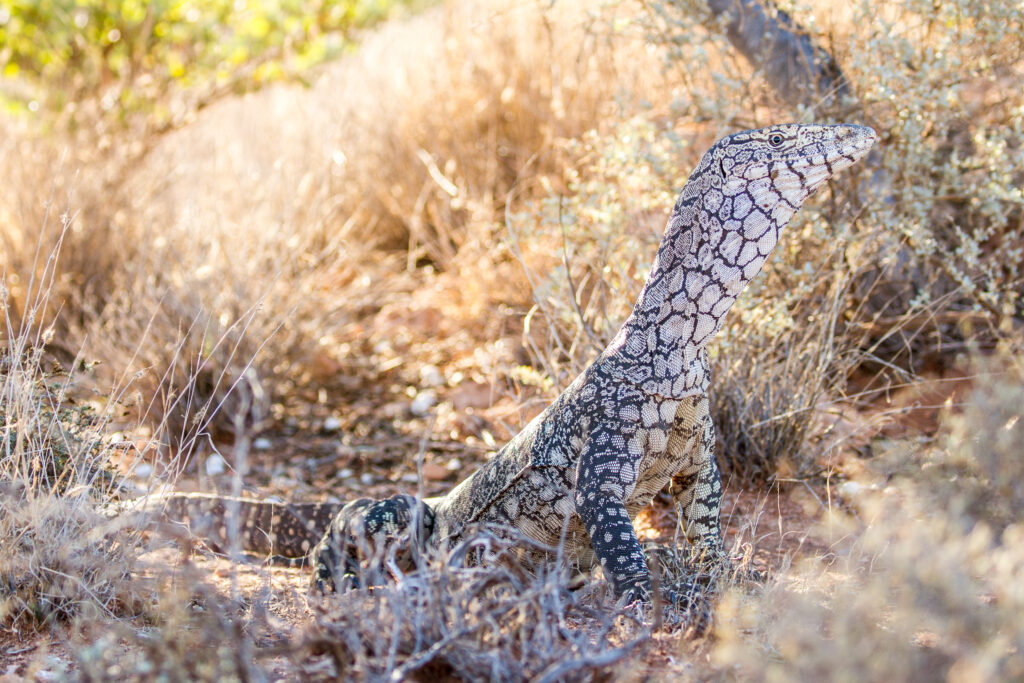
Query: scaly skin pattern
278	530
637	420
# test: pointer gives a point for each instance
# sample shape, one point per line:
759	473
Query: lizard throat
709	253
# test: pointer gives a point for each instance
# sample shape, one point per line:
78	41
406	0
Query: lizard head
724	226
781	166
745	189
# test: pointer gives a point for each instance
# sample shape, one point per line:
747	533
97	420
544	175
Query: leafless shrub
491	620
58	561
931	588
974	470
291	223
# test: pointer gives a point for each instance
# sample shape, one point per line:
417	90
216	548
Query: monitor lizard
636	421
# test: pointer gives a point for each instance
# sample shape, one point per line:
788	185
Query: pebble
431	376
435	471
215	465
849	489
332	424
344	473
423	402
143	470
454	465
366	479
262	444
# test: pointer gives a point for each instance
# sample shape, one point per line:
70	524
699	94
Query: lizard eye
775	139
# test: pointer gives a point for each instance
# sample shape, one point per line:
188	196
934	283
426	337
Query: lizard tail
282	532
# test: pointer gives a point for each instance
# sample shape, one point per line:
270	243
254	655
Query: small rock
454	465
849	489
143	470
430	376
262	444
410	478
215	465
423	402
344	473
435	472
332	424
366	479
393	409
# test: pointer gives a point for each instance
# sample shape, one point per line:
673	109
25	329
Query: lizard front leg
367	535
697	488
605	475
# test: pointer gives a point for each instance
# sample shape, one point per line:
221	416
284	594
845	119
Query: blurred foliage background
158	62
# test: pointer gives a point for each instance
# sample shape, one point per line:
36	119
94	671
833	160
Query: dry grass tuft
494	620
59	560
930	587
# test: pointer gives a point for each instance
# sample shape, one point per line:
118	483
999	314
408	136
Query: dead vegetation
426	245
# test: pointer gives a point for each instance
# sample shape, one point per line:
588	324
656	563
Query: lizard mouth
861	139
849	147
852	143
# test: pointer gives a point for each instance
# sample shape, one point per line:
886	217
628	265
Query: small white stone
410	478
215	464
332	424
366	479
423	402
262	444
143	470
430	376
453	465
849	489
344	473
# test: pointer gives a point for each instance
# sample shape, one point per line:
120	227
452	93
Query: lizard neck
706	258
724	226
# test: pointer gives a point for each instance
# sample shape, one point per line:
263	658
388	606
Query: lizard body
636	420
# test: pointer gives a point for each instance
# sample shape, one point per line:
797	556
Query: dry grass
927	585
487	169
58	560
490	621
